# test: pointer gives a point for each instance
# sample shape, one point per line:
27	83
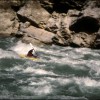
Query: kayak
30	58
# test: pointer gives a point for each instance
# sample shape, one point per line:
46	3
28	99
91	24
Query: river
60	73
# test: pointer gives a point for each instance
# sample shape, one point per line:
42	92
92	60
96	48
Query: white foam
97	62
67	60
21	48
43	90
94	66
16	68
86	81
38	90
7	54
82	50
41	82
61	81
37	71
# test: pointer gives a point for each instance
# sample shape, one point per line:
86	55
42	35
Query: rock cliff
73	23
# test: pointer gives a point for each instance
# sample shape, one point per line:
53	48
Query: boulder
6	4
8	22
32	40
34	13
59	24
89	19
38	34
53	24
83	40
92	9
8	19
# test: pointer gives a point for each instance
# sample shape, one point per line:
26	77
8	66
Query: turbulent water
61	73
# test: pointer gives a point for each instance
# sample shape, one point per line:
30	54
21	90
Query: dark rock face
85	24
73	23
62	6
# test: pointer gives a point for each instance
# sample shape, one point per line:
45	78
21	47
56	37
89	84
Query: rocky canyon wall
73	23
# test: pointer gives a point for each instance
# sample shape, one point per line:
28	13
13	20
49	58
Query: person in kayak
32	53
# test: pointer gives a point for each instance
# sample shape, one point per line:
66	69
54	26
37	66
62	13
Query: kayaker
32	53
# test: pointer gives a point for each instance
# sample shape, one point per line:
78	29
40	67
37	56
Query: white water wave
46	85
38	71
40	90
8	54
86	81
16	68
94	66
85	51
21	48
47	89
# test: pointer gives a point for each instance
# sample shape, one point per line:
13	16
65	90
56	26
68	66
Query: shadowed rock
85	24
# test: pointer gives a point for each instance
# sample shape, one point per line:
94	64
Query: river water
61	73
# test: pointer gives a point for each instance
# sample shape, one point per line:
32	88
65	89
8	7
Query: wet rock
38	34
34	13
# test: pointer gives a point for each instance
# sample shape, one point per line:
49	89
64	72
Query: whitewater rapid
62	73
